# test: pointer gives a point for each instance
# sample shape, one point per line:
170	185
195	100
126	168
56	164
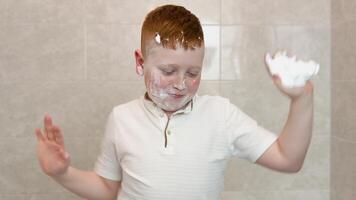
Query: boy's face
172	77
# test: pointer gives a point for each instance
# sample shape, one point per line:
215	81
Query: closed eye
167	72
193	74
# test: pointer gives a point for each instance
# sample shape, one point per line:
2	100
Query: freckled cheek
193	85
165	83
158	81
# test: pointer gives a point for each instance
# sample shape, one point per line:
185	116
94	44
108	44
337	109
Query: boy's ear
139	62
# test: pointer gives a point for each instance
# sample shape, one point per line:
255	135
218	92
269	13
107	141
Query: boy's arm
55	162
288	152
88	184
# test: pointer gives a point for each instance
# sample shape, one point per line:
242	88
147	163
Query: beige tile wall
343	93
74	60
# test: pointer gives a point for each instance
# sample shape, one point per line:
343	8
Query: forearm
296	135
86	184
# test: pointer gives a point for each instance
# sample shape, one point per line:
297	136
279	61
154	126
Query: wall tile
307	42
244	49
100	11
343	110
81	108
19	169
110	51
211	63
343	56
322	107
45	11
343	165
337	11
243	52
348	9
3	13
13	196
343	141
276	12
93	151
41	52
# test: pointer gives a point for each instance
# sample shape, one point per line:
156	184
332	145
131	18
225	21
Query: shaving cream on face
180	85
161	93
167	74
292	72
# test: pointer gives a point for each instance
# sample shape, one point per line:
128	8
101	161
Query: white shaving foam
181	85
292	72
160	96
158	38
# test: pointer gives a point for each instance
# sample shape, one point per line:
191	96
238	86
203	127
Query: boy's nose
180	83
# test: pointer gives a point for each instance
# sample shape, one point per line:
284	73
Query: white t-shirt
181	158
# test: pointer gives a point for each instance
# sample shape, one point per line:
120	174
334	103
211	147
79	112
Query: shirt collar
152	107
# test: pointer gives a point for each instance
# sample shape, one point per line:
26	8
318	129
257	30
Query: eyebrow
175	65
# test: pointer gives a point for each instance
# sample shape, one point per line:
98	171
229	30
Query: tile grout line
220	47
85	39
342	139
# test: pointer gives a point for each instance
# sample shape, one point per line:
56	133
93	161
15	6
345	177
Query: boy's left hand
294	92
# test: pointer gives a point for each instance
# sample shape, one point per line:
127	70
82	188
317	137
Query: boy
171	143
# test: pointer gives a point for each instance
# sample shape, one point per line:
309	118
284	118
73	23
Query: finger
53	146
48	127
277	80
267	56
58	135
54	149
58	151
64	154
39	135
309	86
51	136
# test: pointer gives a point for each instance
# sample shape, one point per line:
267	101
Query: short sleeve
248	139
107	164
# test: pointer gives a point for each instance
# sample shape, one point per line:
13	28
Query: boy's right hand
51	153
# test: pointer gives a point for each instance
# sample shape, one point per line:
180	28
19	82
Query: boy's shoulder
215	102
211	99
127	106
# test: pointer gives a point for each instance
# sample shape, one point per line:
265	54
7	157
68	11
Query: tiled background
74	60
343	98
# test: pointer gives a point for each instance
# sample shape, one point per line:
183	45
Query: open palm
293	92
51	153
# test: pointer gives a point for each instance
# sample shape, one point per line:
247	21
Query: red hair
175	25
